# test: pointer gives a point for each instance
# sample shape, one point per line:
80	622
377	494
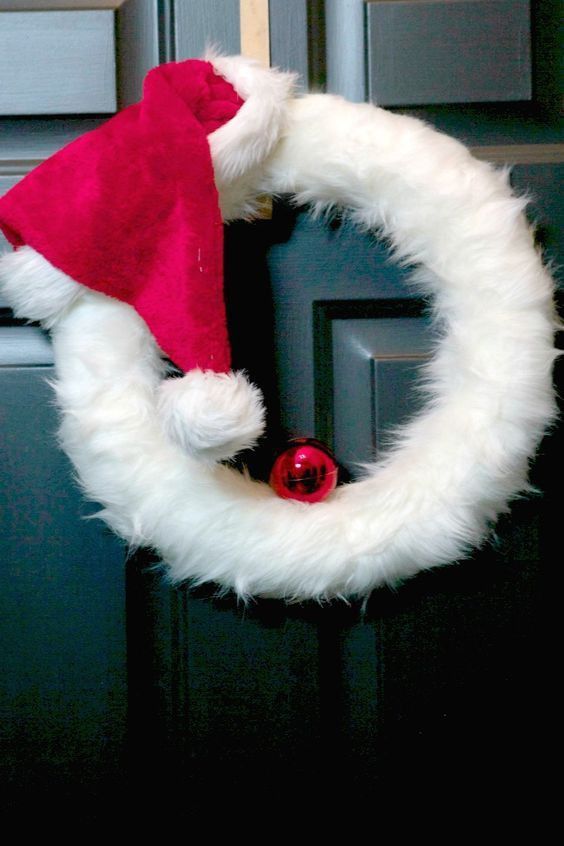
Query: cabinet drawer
24	346
57	62
448	51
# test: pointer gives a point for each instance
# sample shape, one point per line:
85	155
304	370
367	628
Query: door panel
63	602
370	367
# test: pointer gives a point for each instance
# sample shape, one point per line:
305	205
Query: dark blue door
116	686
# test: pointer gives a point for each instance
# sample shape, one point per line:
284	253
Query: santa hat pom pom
212	416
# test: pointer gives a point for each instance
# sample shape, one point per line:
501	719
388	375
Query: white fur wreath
456	465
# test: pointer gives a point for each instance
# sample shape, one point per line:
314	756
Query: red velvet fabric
131	210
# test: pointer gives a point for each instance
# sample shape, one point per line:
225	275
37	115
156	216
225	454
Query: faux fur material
456	465
34	288
240	146
211	415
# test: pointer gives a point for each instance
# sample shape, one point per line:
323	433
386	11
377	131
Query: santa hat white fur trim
250	136
34	289
241	145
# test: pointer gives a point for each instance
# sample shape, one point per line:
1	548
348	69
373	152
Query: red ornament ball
306	471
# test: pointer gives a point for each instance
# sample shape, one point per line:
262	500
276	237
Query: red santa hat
133	209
